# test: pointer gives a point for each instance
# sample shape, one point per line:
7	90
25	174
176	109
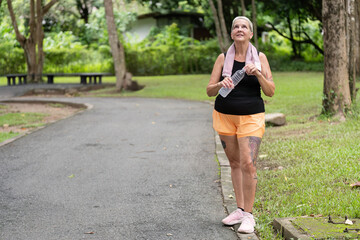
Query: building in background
190	24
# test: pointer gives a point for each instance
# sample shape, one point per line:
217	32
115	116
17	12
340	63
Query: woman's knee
248	166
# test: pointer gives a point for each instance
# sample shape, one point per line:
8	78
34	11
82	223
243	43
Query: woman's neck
240	50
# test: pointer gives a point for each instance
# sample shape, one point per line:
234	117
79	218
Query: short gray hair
244	18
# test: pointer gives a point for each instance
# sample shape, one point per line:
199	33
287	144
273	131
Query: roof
170	14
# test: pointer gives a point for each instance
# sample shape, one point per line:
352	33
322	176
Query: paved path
128	168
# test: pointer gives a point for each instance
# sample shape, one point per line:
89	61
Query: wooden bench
85	78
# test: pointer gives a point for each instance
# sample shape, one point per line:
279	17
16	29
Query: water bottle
236	78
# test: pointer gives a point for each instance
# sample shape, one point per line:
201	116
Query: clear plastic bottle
236	78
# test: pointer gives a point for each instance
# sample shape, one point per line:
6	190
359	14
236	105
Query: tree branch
19	36
48	6
308	40
217	26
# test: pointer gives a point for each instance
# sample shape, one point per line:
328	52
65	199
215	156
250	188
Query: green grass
7	135
16	119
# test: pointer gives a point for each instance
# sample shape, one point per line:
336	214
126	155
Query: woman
239	118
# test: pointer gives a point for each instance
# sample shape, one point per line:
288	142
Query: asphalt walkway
128	168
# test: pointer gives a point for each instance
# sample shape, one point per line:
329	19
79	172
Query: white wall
141	28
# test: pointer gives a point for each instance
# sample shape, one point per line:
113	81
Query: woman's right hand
227	83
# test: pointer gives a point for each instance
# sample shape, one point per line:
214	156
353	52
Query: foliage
170	53
96	29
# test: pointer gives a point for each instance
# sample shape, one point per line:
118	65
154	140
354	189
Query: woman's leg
249	149
231	148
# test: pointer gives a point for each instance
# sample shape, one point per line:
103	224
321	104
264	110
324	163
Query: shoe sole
232	224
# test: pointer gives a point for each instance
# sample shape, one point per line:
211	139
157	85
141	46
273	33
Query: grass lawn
305	167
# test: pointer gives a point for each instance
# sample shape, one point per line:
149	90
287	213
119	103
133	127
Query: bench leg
82	79
9	81
100	79
50	79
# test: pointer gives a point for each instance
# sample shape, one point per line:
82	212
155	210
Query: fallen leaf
285	178
170	185
169	234
231	196
23	115
71	176
6	125
357	184
164	148
153	122
89	233
262	156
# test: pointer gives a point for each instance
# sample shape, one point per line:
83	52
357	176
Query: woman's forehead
241	22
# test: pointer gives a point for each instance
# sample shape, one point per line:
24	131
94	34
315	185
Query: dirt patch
53	111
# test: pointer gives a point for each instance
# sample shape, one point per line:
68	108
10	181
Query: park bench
11	79
85	78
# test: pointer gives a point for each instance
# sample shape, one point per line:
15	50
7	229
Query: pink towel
251	57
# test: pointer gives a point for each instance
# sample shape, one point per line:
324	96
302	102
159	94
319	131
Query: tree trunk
293	43
357	21
33	46
117	50
222	24
336	76
219	35
243	8
352	45
254	23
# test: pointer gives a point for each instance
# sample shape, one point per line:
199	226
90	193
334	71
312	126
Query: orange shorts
239	125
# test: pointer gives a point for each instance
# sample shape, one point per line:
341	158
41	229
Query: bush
12	59
168	53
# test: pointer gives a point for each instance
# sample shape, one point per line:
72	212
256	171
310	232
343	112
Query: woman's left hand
250	69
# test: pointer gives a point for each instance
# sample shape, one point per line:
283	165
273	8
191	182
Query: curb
227	187
86	107
287	229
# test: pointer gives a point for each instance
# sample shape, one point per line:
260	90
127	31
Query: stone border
227	187
86	106
287	229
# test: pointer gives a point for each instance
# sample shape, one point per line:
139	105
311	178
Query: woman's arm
265	77
214	85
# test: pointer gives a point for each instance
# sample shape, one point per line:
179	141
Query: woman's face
241	31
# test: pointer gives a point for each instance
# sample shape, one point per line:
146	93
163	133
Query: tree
289	16
352	27
85	8
254	21
243	8
336	76
220	25
117	49
33	45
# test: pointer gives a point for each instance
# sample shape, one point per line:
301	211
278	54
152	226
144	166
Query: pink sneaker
235	217
248	223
